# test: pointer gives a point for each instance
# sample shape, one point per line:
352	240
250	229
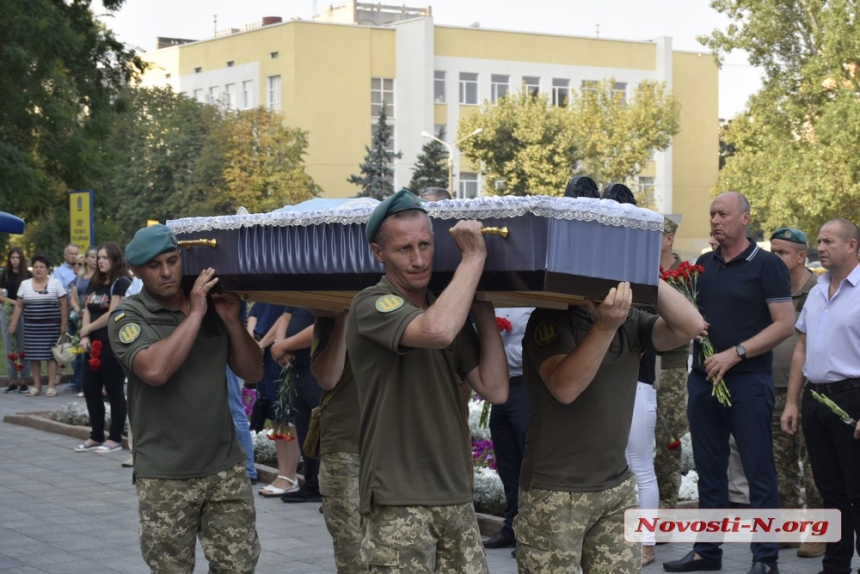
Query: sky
139	22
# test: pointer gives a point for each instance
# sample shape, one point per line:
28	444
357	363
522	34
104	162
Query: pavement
64	512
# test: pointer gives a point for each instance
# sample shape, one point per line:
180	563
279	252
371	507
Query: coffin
558	251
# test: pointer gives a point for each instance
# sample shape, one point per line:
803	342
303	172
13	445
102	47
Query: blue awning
10	223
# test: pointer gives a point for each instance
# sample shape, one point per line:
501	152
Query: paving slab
65	512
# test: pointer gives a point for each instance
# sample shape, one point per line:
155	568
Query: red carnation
674	445
95	364
504	324
21	354
96	347
19	367
11	356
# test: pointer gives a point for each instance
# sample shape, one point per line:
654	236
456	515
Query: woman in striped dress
43	302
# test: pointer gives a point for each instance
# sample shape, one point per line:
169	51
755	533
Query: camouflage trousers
672	407
338	478
423	539
218	508
792	462
559	532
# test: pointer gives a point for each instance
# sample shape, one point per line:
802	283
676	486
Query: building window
230	96
198	70
468	88
390	147
560	92
274	93
468	185
532	85
246	95
620	89
274	55
437	131
498	87
439	87
382	92
198	96
646	187
589	86
230	64
212	98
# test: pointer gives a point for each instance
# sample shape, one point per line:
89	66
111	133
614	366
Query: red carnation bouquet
95	353
685	280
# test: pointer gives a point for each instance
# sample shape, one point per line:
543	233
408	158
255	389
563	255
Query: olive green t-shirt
182	429
676	358
580	446
783	352
339	418
413	443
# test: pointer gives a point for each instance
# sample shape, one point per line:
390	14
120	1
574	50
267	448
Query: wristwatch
742	353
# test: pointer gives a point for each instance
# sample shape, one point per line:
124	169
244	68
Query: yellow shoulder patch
546	333
389	303
129	333
118	316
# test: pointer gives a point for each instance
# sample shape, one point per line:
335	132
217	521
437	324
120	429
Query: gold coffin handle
501	231
187	243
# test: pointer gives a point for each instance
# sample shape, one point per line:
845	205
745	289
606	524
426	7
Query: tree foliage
534	147
62	70
377	171
795	148
431	167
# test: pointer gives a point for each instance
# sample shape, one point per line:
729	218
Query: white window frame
560	92
246	94
531	84
469	89
230	97
469	182
382	91
198	95
500	84
273	92
620	88
212	96
439	86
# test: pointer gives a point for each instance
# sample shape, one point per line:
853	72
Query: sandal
273	491
34	392
87	446
51	392
105	447
648	557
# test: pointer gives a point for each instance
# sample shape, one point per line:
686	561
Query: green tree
264	167
796	144
533	147
62	70
167	160
377	172
615	136
431	168
525	142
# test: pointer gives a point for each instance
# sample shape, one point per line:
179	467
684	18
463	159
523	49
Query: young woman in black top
14	272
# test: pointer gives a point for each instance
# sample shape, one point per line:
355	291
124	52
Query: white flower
689	489
489	493
475	408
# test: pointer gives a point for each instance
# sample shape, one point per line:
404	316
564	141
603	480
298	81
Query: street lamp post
451	154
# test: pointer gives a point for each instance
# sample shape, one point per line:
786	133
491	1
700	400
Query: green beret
148	243
403	200
790	234
669	226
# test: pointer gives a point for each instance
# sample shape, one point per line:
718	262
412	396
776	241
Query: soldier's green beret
148	243
790	234
669	226
403	200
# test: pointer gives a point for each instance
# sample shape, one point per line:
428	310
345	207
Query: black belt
517	380
837	387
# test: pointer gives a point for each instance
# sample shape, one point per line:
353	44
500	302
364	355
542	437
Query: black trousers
508	423
835	457
108	376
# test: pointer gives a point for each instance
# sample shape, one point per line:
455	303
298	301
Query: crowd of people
376	397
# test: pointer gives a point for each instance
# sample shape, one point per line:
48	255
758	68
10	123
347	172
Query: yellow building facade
329	79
